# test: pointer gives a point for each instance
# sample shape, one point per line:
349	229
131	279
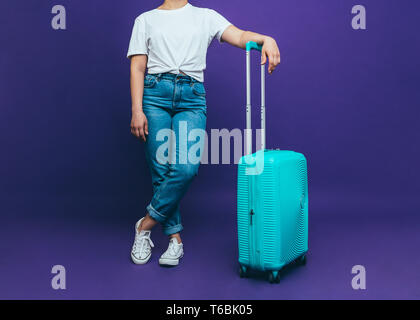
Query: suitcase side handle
251	45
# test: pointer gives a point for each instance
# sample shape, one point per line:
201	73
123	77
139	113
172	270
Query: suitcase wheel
274	276
302	260
243	271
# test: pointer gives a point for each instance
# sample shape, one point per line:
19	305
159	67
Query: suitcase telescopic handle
251	45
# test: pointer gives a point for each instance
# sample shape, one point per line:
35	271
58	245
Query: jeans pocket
149	81
198	89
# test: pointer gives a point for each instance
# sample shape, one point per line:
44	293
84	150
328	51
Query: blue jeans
175	107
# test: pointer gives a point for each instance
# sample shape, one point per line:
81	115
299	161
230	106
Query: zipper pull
251	213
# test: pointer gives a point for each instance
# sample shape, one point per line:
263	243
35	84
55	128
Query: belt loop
159	75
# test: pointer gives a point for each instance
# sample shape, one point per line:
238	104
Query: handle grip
251	45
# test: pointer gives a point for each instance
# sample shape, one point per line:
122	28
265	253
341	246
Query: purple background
74	181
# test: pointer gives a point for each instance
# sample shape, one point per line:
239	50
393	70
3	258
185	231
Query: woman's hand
139	126
271	51
239	38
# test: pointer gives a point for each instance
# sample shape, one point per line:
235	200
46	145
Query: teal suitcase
272	201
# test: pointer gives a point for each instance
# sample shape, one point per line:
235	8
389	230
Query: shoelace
141	241
172	247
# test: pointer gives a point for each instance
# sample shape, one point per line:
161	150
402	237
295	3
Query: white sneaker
142	247
173	254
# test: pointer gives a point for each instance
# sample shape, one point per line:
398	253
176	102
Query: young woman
171	43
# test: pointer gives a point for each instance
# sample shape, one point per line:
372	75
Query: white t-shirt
176	40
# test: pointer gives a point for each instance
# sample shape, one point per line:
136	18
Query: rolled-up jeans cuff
172	229
155	214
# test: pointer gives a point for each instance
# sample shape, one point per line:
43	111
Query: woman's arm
138	118
239	38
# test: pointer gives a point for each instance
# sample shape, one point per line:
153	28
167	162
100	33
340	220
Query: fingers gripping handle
248	133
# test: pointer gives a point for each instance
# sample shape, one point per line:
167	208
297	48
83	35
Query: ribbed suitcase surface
272	210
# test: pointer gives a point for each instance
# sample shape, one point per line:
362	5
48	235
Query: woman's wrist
266	38
137	109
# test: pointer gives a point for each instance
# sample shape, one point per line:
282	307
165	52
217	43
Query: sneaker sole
169	262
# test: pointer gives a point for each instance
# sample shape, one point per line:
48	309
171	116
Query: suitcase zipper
251	229
252	223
